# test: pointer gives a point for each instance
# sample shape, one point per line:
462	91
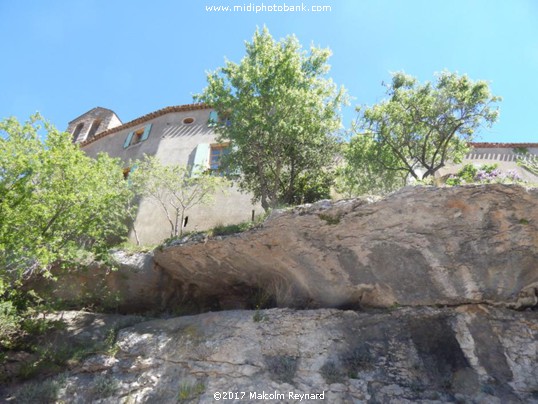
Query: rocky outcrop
428	295
421	246
471	353
418	247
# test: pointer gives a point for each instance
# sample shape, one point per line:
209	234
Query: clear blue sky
62	58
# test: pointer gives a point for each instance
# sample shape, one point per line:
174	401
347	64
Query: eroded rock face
420	246
446	281
473	353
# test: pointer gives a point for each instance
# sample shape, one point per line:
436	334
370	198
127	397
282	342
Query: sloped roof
90	111
145	118
488	145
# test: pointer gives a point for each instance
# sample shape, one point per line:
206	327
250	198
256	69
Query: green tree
421	127
56	204
361	172
280	114
174	188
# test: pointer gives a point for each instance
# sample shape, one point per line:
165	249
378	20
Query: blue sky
62	58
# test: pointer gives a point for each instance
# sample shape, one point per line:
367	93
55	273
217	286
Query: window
188	121
137	136
215	119
93	128
77	130
216	153
126	172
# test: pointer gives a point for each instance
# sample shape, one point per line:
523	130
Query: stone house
176	135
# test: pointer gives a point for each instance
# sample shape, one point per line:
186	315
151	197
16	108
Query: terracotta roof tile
145	118
487	145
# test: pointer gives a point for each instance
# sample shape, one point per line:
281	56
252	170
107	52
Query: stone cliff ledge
421	246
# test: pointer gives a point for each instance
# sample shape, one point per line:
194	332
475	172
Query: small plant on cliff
103	386
329	219
282	367
190	391
259	316
332	373
45	391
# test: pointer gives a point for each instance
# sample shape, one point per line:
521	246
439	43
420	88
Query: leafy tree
421	127
174	188
56	204
361	172
280	114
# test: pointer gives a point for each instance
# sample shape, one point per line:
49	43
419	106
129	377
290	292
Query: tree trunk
182	219
265	204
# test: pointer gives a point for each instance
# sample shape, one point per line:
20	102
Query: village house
176	135
184	135
505	155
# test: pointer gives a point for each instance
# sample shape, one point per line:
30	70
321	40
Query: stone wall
105	118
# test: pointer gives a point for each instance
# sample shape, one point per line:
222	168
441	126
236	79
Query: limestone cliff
473	353
428	295
420	246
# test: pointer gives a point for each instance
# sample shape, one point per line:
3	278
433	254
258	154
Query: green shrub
329	219
189	391
349	364
222	230
45	391
332	373
10	324
104	386
282	367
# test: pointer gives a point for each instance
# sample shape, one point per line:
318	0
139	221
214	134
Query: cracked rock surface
419	246
429	295
472	353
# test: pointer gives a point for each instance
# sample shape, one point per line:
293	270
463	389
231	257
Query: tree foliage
420	127
361	173
174	188
280	114
55	202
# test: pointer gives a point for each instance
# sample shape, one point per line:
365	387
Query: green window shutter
200	158
128	140
213	118
145	135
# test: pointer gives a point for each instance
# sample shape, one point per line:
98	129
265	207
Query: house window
215	119
137	136
216	153
126	172
77	130
188	121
